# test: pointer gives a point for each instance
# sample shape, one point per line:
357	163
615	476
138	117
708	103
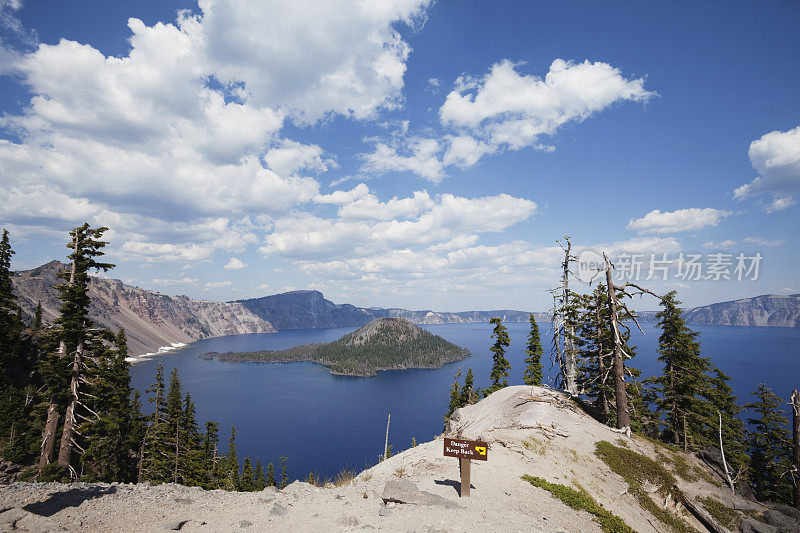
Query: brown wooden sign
466	449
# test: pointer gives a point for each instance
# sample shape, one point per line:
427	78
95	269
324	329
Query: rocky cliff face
150	319
308	310
766	310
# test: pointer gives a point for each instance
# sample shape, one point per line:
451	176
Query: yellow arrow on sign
481	450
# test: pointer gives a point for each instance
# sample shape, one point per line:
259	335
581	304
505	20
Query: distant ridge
766	310
153	320
310	309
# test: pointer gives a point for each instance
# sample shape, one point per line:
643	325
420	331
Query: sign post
465	450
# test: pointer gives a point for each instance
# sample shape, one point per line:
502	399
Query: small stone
175	526
245	523
390	505
347	521
278	510
384	511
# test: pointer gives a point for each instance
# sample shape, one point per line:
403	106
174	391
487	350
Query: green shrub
635	469
724	515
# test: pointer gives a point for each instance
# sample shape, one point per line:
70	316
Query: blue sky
403	153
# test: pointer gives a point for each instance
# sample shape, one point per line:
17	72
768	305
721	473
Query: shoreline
173	346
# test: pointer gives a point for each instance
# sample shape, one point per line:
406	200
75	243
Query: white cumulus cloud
234	264
677	221
507	110
776	158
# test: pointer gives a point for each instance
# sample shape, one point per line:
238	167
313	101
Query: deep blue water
324	422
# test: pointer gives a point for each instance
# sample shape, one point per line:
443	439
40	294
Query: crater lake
324	423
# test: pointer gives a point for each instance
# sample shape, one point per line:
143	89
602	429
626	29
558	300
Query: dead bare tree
563	329
68	433
48	447
722	452
619	352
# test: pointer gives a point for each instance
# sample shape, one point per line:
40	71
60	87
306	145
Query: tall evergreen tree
114	435
734	434
271	482
10	415
683	381
595	352
175	422
769	448
469	394
37	318
9	311
196	472
214	465
501	366
455	397
232	463
154	463
258	477
533	371
65	381
284	477
247	484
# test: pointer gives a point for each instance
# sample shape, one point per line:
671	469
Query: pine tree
469	394
232	464
175	421
455	397
154	463
734	434
258	477
37	318
196	473
113	437
284	476
684	377
10	328
11	415
76	344
501	366
595	352
533	371
271	476
769	448
246	484
213	463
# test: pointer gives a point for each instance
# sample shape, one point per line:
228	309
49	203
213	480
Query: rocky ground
530	430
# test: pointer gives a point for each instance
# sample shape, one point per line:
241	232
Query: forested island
383	344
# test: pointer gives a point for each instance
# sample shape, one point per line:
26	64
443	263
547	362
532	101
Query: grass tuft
535	445
580	500
344	477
